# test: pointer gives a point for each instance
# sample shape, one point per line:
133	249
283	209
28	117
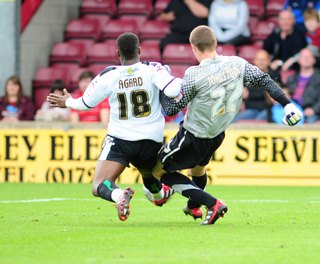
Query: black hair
57	85
128	45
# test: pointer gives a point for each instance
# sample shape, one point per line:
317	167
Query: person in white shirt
135	131
229	19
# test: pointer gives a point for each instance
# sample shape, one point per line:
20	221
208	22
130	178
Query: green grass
263	225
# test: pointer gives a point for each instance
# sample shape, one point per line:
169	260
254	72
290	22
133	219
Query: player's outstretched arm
255	78
173	106
93	95
56	100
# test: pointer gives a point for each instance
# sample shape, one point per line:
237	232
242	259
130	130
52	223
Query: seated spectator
184	16
98	114
256	100
285	41
15	106
304	87
277	111
229	20
311	21
298	7
48	113
262	60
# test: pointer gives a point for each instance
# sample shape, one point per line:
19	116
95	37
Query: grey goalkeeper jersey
213	93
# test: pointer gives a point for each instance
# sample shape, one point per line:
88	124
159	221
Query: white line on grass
58	199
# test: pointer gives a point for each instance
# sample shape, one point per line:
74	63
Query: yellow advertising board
275	157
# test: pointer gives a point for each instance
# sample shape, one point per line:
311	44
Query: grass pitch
56	223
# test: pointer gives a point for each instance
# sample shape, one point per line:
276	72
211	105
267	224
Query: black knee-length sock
201	182
152	184
183	185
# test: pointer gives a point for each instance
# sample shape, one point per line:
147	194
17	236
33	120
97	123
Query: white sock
148	194
159	195
115	194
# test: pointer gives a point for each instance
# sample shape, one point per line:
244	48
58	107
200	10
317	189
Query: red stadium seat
115	27
64	52
97	68
74	77
83	28
140	20
87	43
141	7
226	50
262	30
67	67
159	6
46	75
103	53
39	96
256	8
252	22
274	20
178	54
285	75
152	41
178	70
274	7
248	52
150	52
154	29
101	18
98	7
42	81
258	43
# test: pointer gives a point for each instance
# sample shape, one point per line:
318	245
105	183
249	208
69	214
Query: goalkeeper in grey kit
213	92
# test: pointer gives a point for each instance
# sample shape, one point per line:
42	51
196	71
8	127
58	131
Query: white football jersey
133	92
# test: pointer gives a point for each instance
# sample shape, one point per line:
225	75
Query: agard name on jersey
130	82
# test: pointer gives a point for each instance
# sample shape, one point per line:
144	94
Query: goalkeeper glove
292	115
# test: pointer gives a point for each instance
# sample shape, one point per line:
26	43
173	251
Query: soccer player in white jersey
135	131
213	92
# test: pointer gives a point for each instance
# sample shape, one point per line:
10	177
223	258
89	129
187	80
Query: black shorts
142	153
185	151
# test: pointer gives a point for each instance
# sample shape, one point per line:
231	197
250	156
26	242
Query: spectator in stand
48	113
14	106
100	113
184	16
285	41
311	21
229	19
304	87
298	7
256	100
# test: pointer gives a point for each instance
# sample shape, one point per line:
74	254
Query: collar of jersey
207	61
